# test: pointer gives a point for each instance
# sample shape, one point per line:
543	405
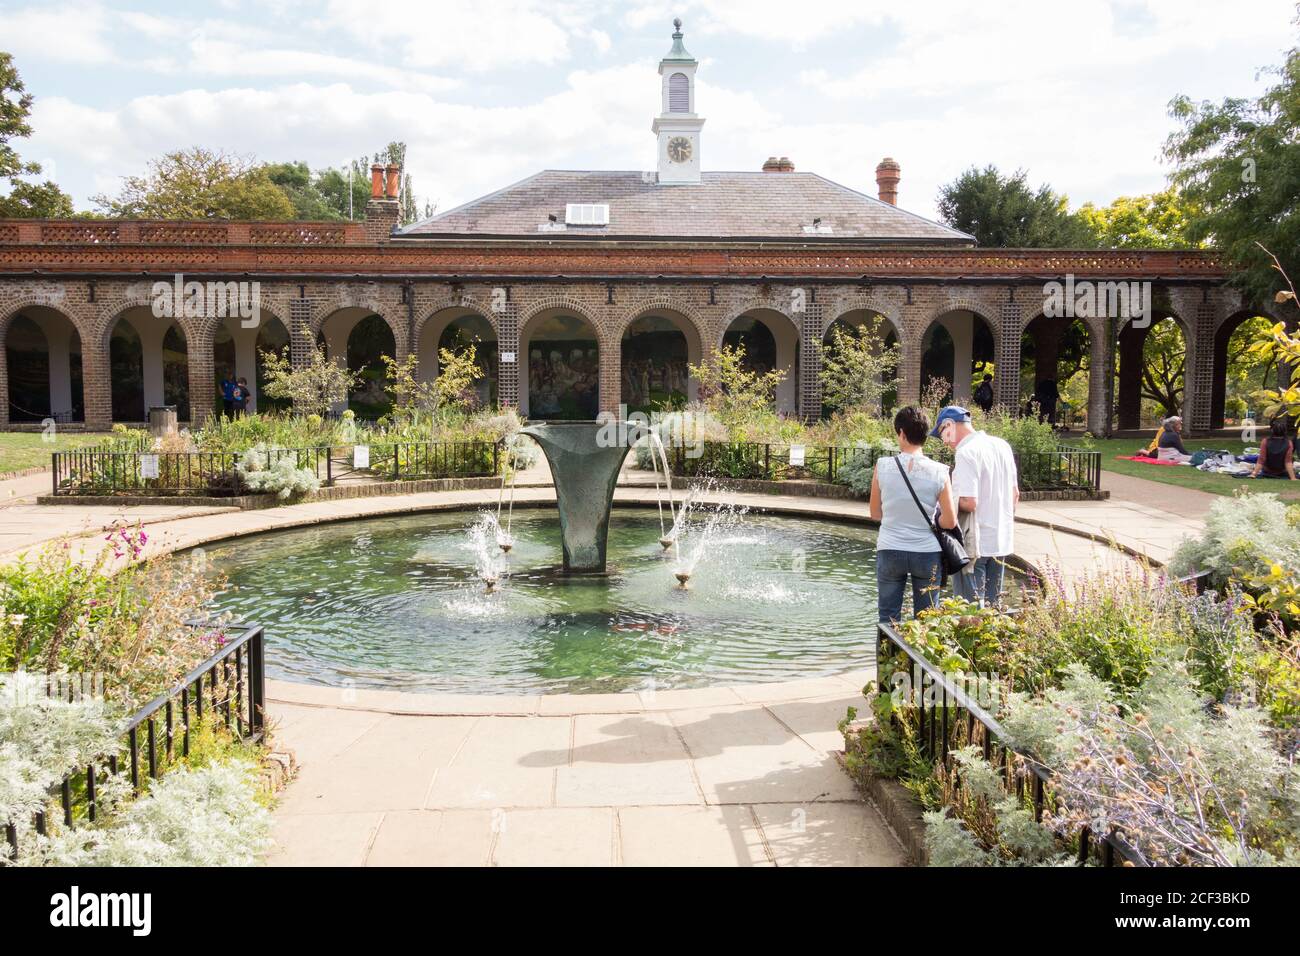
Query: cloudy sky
486	92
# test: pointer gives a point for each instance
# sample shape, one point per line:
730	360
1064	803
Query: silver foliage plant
1185	781
207	816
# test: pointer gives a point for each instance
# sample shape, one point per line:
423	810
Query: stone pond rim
585	471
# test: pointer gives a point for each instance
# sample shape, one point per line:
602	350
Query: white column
787	342
961	326
151	332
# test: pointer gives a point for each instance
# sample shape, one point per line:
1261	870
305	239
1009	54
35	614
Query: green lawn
1188	477
22	450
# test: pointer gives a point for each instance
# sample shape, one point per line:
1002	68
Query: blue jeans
893	568
984	584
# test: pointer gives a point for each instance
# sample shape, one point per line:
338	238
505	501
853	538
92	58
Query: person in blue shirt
228	387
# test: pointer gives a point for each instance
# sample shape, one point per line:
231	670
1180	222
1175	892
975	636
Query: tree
337	187
451	389
732	391
1238	165
303	190
198	183
24	200
1003	211
1154	221
855	367
1164	361
1281	346
36	201
313	387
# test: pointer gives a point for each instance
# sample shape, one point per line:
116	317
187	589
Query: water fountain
585	459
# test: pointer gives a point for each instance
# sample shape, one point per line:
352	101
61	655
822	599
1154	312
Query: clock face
679	149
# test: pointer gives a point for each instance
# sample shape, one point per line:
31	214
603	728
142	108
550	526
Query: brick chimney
782	165
382	212
887	175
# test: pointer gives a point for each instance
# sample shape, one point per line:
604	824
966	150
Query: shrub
1185	786
262	469
61	613
1247	532
208	816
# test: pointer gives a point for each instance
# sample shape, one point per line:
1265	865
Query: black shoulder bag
951	548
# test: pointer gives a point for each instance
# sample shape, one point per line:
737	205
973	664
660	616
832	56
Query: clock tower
677	126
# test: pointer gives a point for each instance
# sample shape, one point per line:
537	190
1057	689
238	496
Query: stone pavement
719	776
693	778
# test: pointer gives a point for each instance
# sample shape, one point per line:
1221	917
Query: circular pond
398	603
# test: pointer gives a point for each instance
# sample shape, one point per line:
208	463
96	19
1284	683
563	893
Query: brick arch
886	310
528	315
10	311
696	321
372	303
767	304
467	303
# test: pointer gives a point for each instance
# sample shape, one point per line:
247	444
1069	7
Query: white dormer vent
587	214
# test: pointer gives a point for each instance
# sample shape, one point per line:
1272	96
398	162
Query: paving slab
690	836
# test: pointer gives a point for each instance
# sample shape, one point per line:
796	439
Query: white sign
796	456
360	456
148	466
508	358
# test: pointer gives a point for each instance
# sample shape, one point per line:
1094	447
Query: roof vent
819	228
587	214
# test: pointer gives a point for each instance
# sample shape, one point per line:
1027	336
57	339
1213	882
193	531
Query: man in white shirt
984	482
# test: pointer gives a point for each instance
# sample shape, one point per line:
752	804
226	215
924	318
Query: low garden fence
405	461
104	471
946	718
159	732
1063	468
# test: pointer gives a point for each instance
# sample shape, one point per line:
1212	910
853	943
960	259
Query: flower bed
1135	721
129	733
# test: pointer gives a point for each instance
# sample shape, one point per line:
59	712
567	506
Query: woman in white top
906	546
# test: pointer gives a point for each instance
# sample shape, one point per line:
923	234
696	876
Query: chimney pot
376	181
773	165
888	173
786	165
394	184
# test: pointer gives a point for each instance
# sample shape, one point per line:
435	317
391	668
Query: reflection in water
399	603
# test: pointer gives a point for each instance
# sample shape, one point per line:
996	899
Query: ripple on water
397	603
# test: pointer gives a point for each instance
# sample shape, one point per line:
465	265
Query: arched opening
1237	373
272	336
957	351
656	353
43	355
237	354
357	339
1150	372
561	380
148	365
1054	369
879	332
456	329
771	341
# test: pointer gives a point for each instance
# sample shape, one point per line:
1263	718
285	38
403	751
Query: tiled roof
723	205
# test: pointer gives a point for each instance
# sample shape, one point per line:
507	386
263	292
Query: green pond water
397	603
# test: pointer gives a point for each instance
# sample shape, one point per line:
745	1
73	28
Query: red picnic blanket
1147	461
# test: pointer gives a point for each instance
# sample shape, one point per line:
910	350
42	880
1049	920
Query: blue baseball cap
953	413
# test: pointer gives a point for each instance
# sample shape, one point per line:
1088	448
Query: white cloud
471	35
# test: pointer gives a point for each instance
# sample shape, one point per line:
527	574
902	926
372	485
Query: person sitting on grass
1276	455
1171	446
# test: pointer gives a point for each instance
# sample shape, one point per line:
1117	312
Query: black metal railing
236	695
99	471
946	718
404	461
1064	468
